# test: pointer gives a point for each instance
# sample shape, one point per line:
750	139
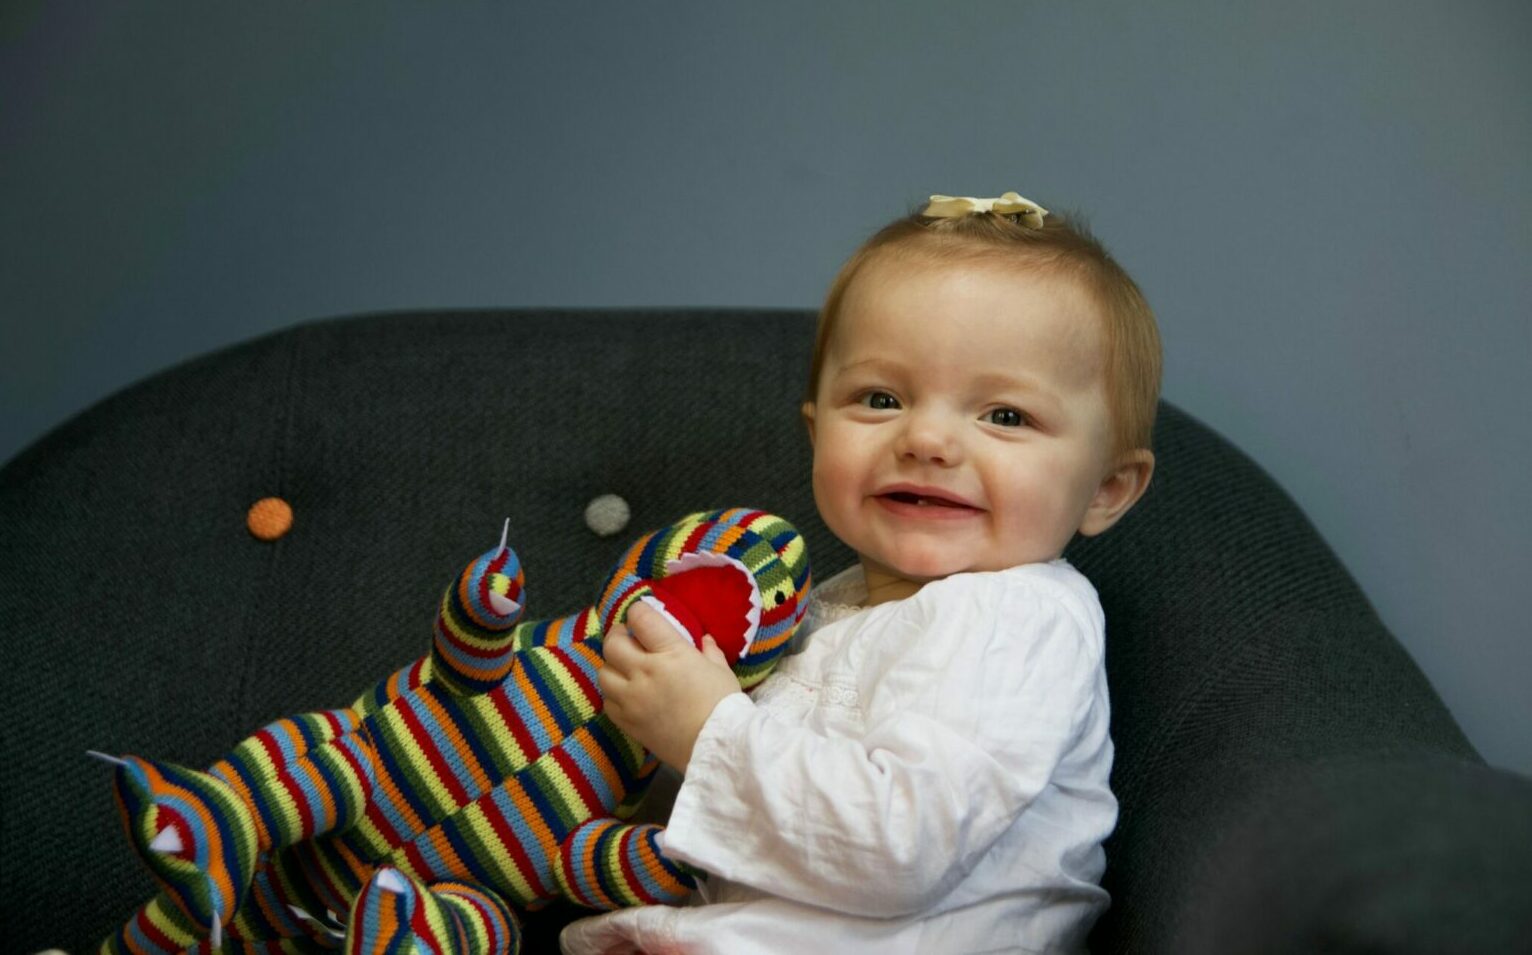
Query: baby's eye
1006	417
879	401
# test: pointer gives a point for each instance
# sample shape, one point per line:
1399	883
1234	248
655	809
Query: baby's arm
887	823
658	688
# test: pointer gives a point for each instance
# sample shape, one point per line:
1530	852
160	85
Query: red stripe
625	860
618	603
381	824
513	722
364	781
513	846
699	532
422	929
446	634
581	784
272	747
433	754
153	931
305	813
491	919
418	862
577	673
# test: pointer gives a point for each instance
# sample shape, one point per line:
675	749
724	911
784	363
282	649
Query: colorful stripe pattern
395	913
769	547
606	864
473	649
206	868
485	771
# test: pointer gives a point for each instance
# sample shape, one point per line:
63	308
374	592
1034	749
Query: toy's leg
159	928
606	864
201	833
394	912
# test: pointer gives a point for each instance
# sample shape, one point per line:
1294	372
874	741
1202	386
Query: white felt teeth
504	606
389	880
710	559
168	841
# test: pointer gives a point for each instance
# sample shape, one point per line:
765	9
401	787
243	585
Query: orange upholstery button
269	518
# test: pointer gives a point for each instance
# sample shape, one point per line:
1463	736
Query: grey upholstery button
607	514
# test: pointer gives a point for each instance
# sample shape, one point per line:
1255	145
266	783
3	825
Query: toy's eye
781	598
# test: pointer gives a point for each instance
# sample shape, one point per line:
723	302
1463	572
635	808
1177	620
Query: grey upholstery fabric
140	616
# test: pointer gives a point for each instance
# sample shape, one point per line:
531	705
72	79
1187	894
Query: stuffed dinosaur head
738	575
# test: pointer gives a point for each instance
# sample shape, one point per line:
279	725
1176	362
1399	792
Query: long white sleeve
931	729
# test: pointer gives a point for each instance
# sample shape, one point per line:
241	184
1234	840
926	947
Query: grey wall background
1329	205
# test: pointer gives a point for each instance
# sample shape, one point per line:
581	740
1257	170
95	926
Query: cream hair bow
1010	204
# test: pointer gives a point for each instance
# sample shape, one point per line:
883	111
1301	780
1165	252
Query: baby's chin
922	569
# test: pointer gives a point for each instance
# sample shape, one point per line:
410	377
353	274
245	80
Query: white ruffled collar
833	600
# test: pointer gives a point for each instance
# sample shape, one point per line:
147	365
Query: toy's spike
105	758
389	880
505	533
168	841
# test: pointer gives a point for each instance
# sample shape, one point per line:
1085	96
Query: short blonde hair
1131	336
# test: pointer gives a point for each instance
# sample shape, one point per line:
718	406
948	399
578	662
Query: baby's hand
658	688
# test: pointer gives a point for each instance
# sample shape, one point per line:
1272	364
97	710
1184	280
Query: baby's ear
1119	491
807	410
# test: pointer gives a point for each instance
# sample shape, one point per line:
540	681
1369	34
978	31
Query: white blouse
926	775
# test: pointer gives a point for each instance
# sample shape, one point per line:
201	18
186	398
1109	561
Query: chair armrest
1402	854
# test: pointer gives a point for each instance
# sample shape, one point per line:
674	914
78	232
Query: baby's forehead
1054	309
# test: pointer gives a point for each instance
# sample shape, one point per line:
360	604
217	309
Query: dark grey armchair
1289	781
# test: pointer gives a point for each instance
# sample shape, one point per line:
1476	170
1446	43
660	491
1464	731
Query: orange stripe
539	706
226	772
326	798
655	868
396	798
527	809
454	734
588	863
209	828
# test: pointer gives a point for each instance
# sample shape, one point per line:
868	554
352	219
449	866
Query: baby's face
960	422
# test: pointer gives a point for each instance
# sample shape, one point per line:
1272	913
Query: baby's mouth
921	500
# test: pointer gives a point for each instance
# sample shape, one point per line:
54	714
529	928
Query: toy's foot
193	833
394	912
606	864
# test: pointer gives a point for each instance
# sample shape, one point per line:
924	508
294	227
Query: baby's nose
930	440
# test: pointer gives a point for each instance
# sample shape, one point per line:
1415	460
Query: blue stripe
440	738
521	830
391	767
600	849
604	732
457	660
452	829
537	663
258	794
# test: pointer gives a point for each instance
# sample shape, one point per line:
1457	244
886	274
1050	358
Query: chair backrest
140	615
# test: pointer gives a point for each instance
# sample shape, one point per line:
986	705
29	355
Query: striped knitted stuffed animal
481	777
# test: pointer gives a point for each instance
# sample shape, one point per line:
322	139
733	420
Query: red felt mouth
712	600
